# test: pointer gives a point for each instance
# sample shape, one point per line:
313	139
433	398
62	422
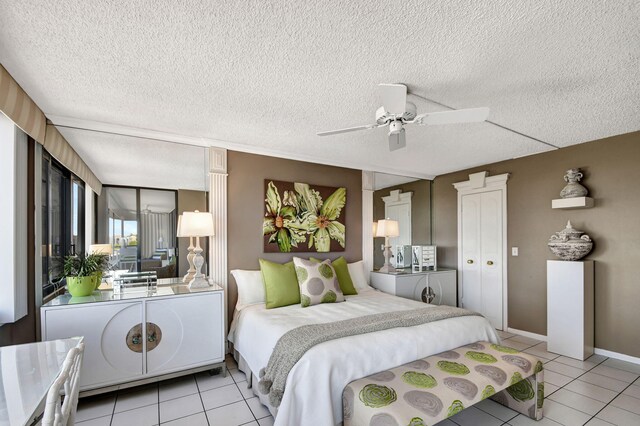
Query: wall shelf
572	203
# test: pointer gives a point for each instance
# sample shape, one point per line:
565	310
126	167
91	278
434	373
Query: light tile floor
596	392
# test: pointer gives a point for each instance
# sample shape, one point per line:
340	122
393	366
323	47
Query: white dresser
184	332
435	287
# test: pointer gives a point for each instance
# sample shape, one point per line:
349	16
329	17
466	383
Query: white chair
59	412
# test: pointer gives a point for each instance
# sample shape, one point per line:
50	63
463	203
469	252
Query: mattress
314	386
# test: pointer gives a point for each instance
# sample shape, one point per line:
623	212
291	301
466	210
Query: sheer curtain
158	231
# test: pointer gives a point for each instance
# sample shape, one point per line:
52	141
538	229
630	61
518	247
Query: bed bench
429	390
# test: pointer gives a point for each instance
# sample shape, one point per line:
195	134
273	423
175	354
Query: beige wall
189	201
420	214
247	173
612	175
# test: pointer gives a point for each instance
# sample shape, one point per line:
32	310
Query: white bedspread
314	386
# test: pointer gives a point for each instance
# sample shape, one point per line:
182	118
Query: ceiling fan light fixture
395	127
397	140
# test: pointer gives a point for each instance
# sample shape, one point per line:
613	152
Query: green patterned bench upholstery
431	389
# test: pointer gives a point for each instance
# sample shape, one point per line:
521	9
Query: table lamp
387	228
192	269
197	224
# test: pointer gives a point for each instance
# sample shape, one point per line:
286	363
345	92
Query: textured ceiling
265	76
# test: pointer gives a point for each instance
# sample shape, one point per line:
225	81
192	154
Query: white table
26	373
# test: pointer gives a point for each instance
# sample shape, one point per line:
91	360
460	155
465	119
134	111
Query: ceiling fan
395	112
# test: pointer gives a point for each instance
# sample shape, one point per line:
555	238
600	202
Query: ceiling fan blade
470	115
394	97
348	129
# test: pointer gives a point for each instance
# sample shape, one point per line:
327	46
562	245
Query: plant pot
81	286
98	278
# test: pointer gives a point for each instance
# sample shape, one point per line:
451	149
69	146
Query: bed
315	384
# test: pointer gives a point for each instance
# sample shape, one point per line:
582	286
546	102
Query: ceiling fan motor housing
384	117
395	127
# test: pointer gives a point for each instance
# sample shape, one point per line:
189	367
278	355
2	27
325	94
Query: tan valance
18	106
60	149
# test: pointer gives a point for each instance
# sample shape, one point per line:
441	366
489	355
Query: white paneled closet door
471	275
482	246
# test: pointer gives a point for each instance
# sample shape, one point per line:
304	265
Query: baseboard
616	355
527	334
597	351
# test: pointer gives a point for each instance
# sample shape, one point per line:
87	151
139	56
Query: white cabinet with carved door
191	330
105	327
482	246
140	336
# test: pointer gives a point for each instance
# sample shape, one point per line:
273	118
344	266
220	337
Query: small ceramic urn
570	244
573	188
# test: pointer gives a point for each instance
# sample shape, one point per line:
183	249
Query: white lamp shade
375	229
101	249
179	230
387	228
196	224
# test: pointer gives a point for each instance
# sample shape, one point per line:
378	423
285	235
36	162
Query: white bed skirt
252	382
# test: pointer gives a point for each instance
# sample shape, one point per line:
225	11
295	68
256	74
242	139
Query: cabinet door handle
490	262
469	261
154	336
133	339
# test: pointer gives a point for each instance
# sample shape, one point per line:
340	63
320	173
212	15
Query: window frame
48	165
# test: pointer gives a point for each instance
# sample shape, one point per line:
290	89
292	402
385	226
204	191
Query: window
140	225
77	216
63	230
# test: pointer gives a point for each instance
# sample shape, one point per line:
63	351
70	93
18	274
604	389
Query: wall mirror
147	183
406	200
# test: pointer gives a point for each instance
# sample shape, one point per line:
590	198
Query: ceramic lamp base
191	272
202	282
199	280
387	267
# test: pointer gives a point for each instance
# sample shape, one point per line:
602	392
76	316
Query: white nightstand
435	287
184	333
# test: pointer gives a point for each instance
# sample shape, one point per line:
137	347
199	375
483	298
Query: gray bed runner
295	343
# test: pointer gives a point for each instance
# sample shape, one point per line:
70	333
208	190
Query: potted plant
79	271
101	261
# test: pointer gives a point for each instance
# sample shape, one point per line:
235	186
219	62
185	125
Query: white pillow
359	276
250	287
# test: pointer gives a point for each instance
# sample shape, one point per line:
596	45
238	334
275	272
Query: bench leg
526	396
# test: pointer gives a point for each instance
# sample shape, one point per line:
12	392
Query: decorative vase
573	188
98	279
570	244
81	286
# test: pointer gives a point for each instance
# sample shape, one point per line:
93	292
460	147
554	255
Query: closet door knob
490	262
469	261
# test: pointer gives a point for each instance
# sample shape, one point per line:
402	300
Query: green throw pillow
342	272
280	284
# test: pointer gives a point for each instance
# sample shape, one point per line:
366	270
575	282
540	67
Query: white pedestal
570	303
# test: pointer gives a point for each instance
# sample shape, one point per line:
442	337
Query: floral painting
301	218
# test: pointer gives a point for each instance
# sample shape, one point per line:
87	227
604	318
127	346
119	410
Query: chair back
59	411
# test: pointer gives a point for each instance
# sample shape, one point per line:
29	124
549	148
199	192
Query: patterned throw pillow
318	282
